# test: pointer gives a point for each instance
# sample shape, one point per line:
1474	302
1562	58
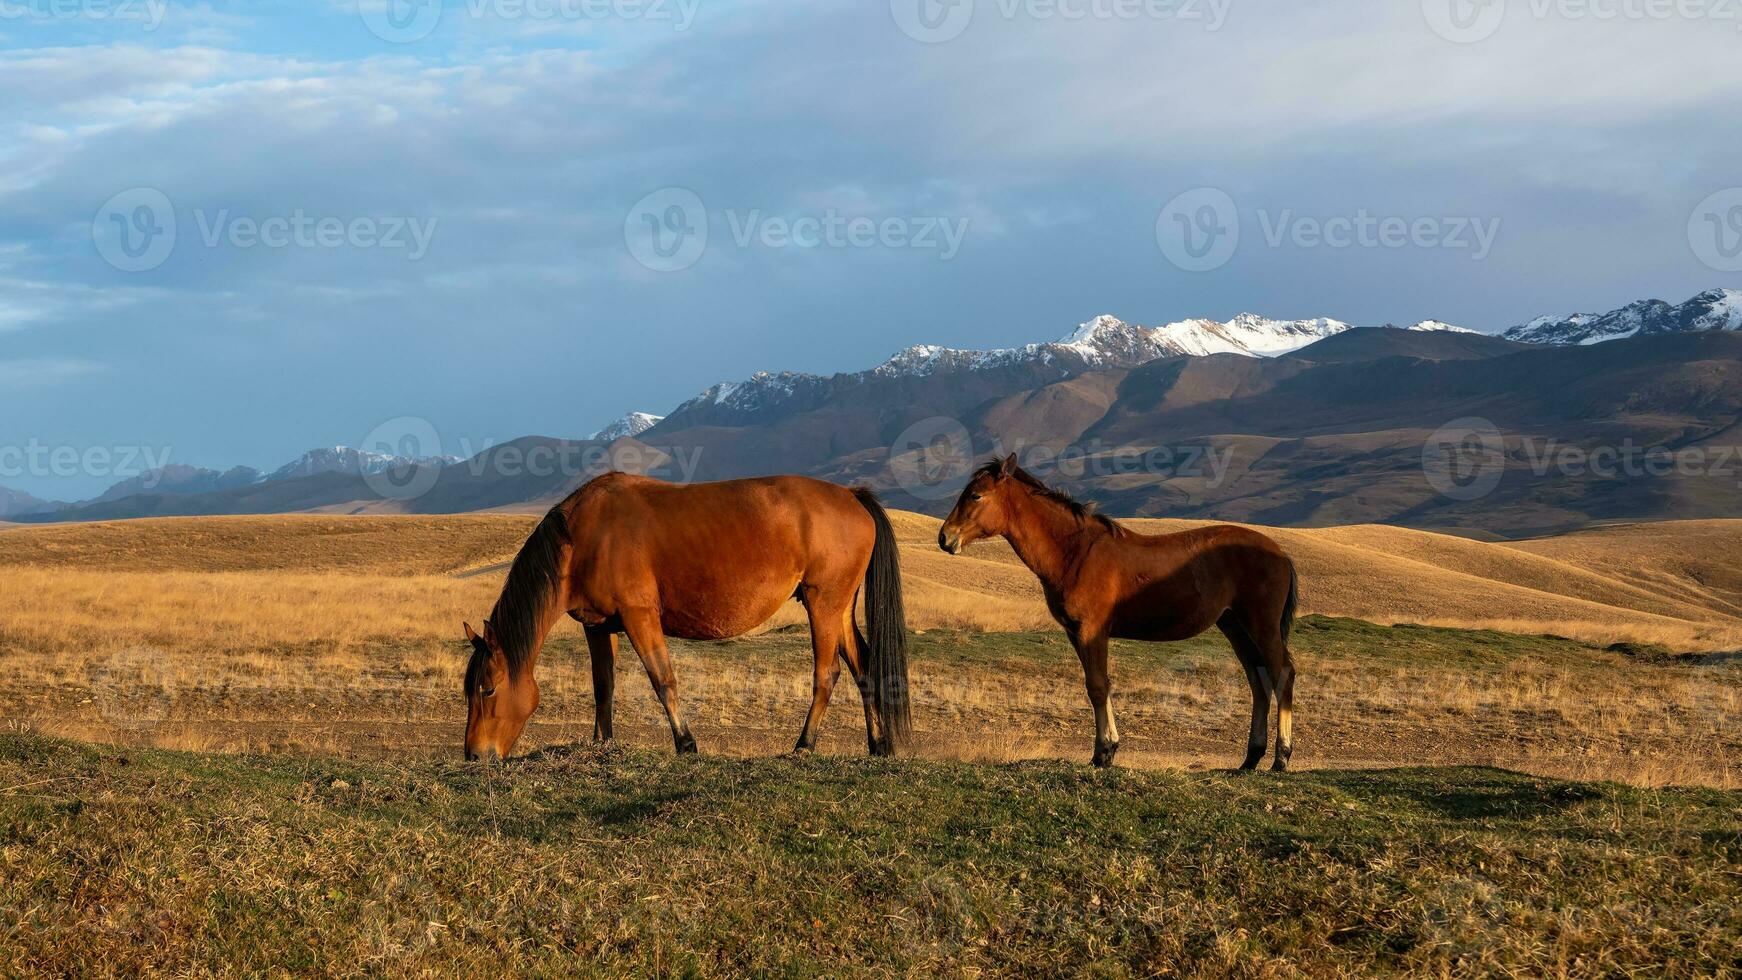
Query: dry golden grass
341	634
1672	583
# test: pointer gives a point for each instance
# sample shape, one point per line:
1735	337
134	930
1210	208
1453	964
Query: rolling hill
1671	582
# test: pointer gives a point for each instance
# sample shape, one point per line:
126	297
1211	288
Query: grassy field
338	636
606	860
232	748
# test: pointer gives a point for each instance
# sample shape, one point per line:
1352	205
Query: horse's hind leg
853	652
648	638
1252	659
1284	713
826	638
1280	665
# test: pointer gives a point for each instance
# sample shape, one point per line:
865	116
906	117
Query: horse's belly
723	612
1153	623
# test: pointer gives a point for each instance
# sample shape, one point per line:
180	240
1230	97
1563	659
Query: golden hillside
1673	582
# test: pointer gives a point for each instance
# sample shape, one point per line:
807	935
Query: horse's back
716	558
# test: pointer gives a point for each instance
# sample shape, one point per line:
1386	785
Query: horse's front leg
648	638
602	645
1092	651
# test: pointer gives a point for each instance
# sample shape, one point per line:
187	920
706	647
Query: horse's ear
490	635
1007	465
479	642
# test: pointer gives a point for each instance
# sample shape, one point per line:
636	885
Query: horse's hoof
800	752
1252	759
1104	755
880	749
686	745
1280	765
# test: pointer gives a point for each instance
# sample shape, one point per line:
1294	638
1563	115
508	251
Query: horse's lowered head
982	510
499	698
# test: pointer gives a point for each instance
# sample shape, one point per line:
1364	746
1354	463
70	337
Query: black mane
534	580
1085	513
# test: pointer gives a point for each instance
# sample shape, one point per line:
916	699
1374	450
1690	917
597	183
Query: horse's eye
973	496
488	692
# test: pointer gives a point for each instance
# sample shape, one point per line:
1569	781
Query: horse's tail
886	651
1291	602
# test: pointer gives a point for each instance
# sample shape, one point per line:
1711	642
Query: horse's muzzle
951	543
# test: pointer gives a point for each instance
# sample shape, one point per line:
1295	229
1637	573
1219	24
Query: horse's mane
1084	512
534	581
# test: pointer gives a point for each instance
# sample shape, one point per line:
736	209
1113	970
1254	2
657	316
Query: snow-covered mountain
353	462
1109	342
1103	343
1714	309
633	424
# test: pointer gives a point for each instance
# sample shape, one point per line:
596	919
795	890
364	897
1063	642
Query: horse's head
982	509
497	701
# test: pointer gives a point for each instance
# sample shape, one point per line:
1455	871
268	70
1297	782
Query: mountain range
1272	421
1714	309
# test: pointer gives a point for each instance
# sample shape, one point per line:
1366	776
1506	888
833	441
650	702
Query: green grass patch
606	860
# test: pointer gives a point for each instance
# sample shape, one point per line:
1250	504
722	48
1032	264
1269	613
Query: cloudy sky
233	231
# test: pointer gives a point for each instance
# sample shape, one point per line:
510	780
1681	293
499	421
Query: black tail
886	651
1293	599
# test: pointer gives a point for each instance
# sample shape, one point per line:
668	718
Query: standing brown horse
627	554
1103	582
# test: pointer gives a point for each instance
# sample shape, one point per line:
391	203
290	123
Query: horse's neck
1046	536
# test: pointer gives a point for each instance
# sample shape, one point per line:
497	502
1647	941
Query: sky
232	231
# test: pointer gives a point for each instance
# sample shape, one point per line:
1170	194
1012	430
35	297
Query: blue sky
452	216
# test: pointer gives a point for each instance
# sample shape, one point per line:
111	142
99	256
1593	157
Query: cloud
35	373
522	143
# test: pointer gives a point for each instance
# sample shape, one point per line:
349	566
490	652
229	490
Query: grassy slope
629	859
1672	583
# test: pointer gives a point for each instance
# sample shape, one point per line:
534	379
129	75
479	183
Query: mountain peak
633	424
1095	327
352	462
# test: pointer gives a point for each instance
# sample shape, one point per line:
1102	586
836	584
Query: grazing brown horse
1103	582
628	554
